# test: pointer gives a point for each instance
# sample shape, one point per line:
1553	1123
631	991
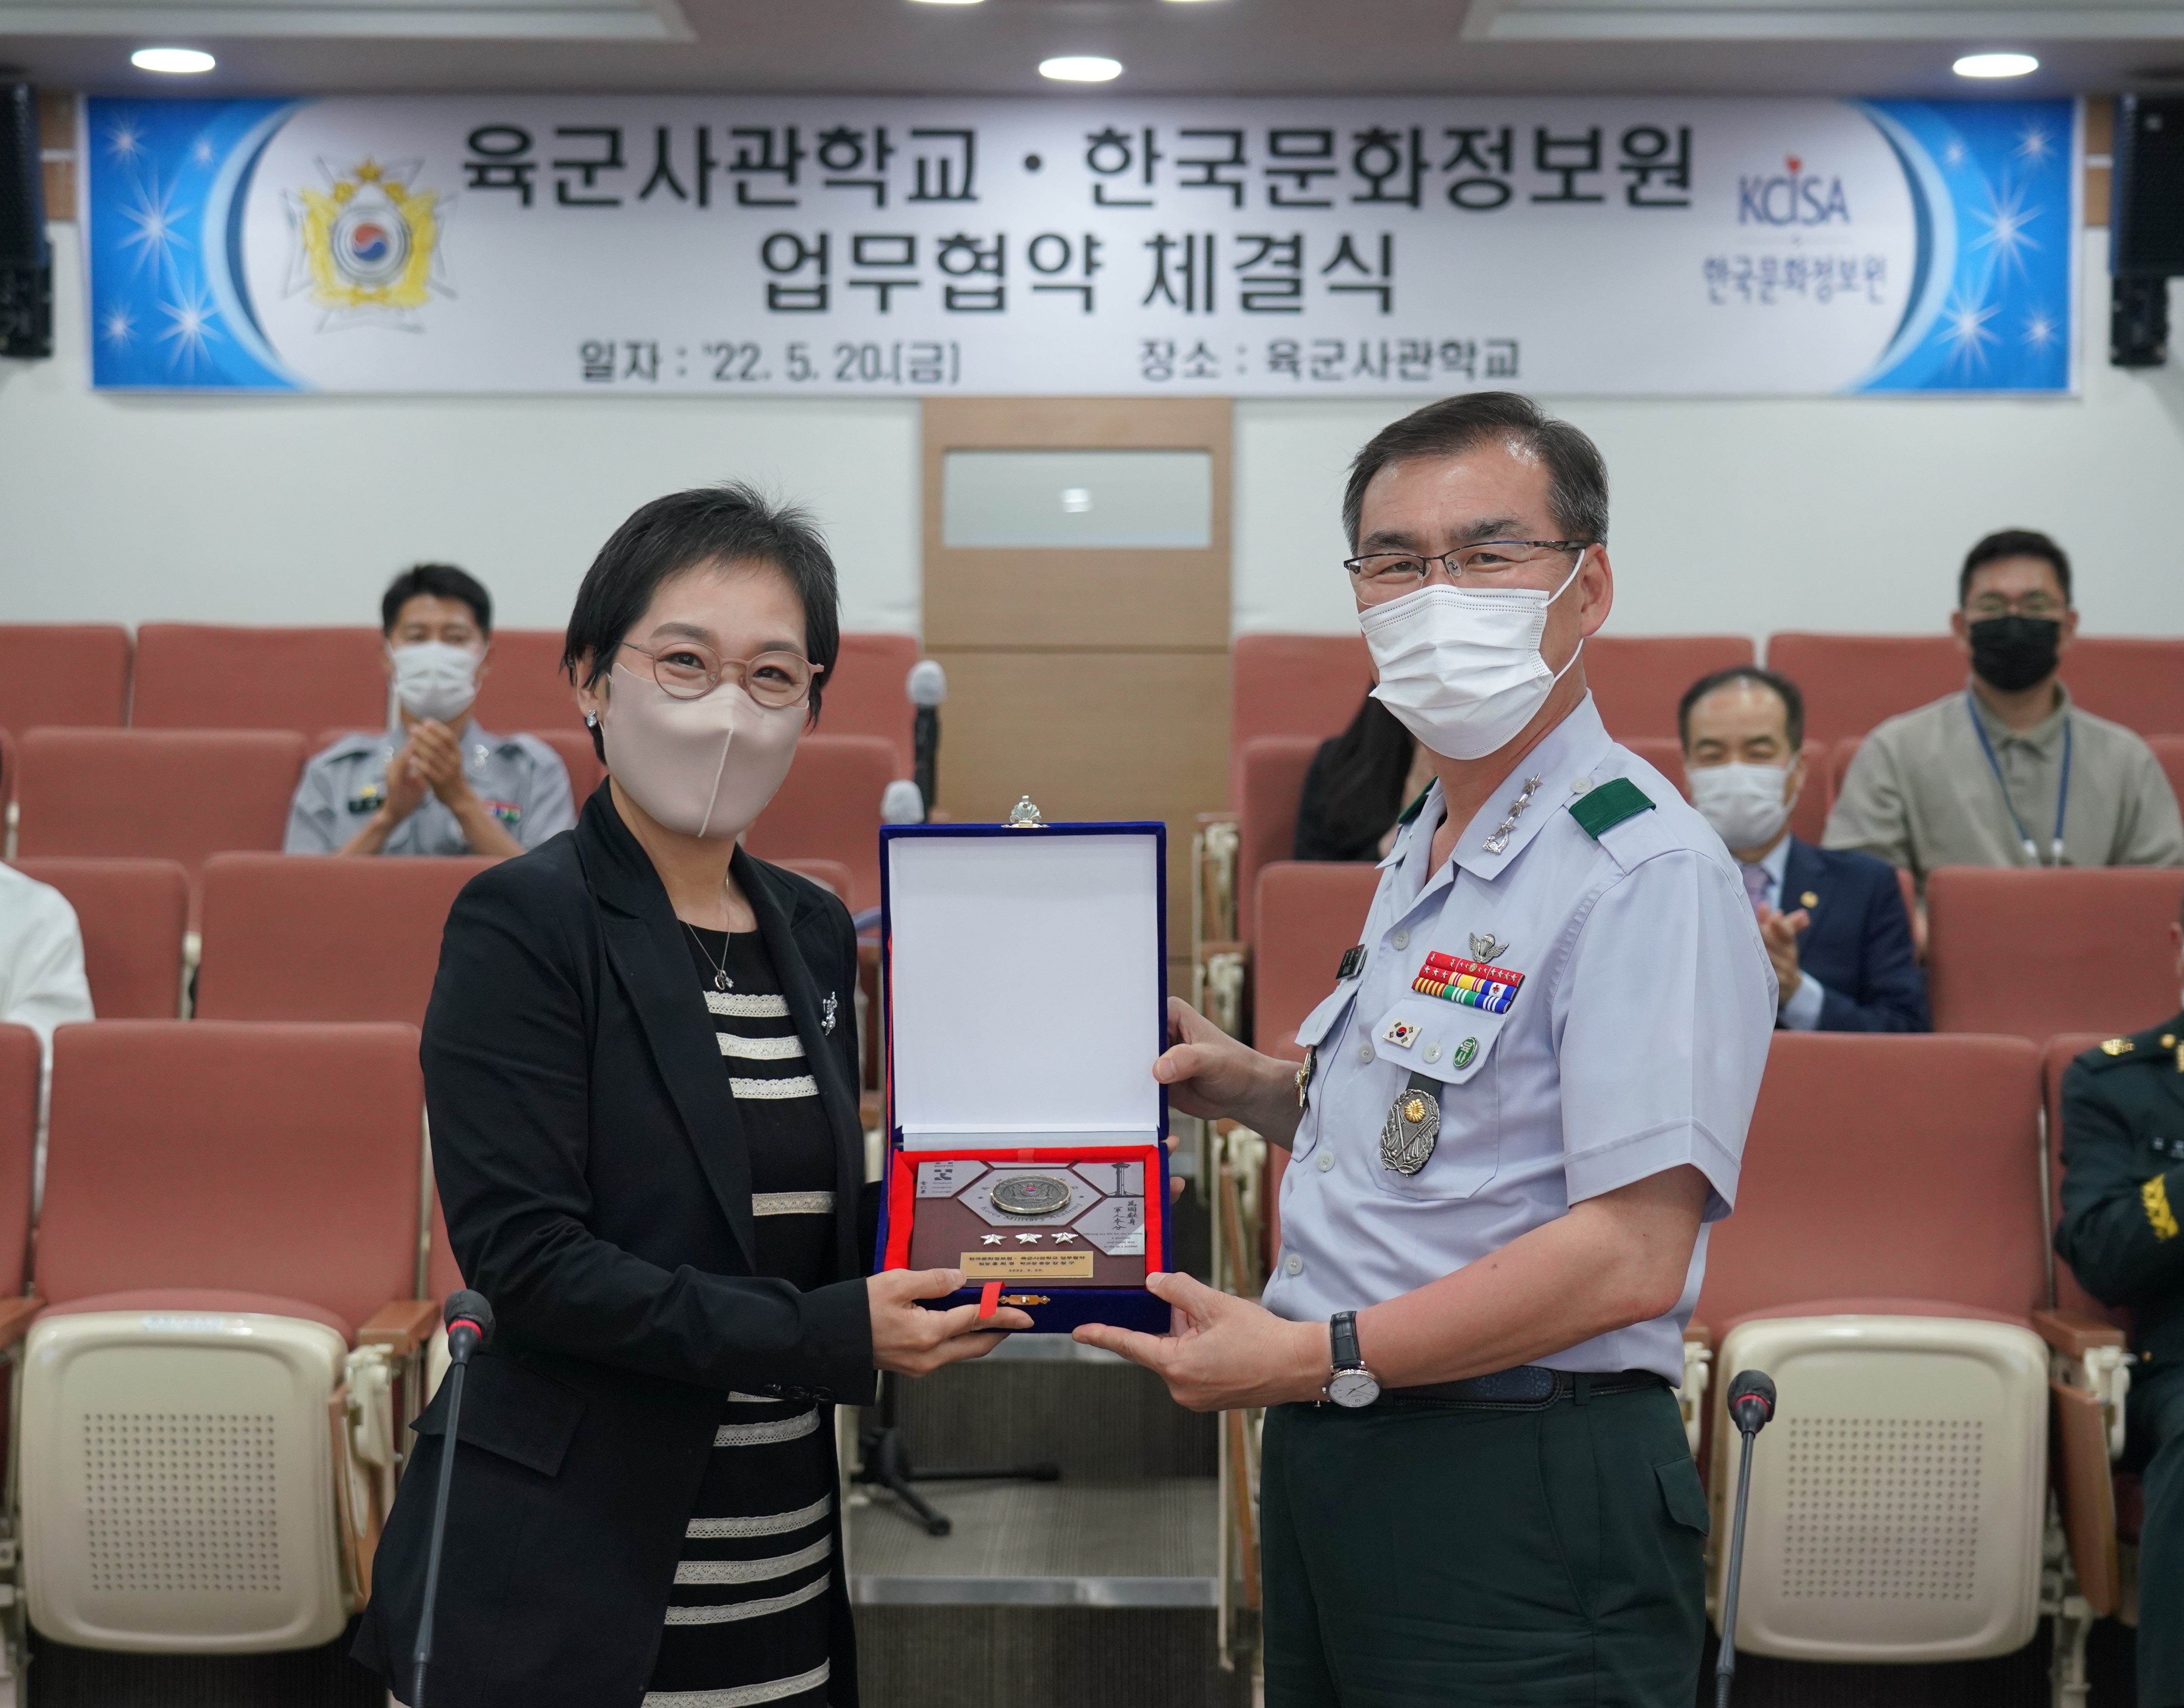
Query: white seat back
1897	1498
178	1478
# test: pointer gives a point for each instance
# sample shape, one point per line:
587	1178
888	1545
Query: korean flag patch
1402	1034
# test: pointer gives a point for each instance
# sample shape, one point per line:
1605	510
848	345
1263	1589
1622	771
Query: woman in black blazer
640	1066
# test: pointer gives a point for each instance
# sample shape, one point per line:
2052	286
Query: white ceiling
1211	46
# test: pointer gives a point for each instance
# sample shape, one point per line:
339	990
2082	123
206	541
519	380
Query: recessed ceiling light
948	2
1081	68
180	62
1995	65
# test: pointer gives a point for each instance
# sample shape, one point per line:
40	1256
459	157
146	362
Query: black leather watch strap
1342	1340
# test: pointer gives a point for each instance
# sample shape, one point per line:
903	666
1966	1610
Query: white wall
1731	516
116	508
1741	516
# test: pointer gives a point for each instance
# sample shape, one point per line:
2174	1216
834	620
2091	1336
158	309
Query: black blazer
598	1192
1859	945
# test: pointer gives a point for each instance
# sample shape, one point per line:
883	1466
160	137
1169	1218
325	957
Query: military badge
1472	983
1411	1131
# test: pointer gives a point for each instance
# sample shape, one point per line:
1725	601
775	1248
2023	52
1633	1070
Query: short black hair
436	581
2014	542
1792	699
729	523
1577	474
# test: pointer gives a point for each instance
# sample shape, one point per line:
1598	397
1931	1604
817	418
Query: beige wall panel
1091	736
1075	598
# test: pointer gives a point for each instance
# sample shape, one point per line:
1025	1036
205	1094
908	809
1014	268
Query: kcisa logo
1794	197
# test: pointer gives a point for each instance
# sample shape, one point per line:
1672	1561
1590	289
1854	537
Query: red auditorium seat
2039	951
230	1247
2061	1050
63	673
291	937
132	914
1852	681
829	809
2136	682
1894	1334
19	1067
2170	750
6	770
865	693
1308	912
207	676
524	688
202	1160
1637	679
1951	1121
158	794
833	874
1270	772
1296	684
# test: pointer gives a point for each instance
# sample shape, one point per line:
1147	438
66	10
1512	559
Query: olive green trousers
1418	1555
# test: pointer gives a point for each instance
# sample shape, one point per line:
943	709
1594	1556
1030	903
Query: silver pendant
1412	1130
721	982
827	1011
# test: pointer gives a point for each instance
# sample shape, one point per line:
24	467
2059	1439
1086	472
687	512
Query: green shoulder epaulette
1411	811
1601	810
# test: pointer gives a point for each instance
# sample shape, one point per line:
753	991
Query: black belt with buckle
1529	1387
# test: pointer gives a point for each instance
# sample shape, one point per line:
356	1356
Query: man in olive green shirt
2009	772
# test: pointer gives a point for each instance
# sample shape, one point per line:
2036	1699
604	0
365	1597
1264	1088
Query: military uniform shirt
518	778
1633	1044
1920	793
2123	1182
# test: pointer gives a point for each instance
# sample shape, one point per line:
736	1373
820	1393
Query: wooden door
1092	677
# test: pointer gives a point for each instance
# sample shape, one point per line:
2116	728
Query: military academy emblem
368	247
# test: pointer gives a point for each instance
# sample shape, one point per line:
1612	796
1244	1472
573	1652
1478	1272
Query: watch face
1353	1388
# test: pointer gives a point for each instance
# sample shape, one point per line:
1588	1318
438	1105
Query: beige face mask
706	768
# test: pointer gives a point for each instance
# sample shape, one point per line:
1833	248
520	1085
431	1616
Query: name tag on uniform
367	799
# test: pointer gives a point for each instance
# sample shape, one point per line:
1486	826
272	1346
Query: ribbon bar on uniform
1472	983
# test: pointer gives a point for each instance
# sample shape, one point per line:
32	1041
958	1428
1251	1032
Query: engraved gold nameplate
1027	1265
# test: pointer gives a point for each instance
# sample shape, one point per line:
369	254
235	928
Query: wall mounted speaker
26	269
2146	226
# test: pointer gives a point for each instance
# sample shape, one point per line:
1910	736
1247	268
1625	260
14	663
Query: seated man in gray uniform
433	783
2123	1189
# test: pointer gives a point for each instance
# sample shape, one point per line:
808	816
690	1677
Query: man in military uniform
1525	1099
434	783
2123	1191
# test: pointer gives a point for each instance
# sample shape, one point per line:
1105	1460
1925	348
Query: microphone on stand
1751	1406
928	687
469	1319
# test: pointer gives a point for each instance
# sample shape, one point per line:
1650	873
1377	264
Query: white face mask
1460	666
1744	803
706	768
435	679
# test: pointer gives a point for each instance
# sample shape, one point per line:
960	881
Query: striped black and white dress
747	1621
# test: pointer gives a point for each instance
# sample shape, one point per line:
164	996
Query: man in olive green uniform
2123	1191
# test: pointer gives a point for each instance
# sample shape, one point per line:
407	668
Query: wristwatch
1351	1385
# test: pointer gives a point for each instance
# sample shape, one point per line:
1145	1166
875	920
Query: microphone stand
464	1335
1750	1404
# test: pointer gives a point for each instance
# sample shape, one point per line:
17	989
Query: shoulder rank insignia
2118	1046
1598	810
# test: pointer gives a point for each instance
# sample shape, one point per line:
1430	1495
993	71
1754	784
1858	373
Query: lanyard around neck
2062	793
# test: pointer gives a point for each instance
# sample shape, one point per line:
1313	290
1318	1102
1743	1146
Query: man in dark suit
1834	921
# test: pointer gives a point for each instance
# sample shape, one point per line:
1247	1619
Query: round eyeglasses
691	670
1385	574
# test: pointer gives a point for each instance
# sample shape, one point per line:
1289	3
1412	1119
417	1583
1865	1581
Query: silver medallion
1031	1195
1412	1128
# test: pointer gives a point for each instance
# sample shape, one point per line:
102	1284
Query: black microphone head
928	684
1751	1400
465	1306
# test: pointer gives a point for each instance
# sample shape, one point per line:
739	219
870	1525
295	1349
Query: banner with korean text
1295	248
